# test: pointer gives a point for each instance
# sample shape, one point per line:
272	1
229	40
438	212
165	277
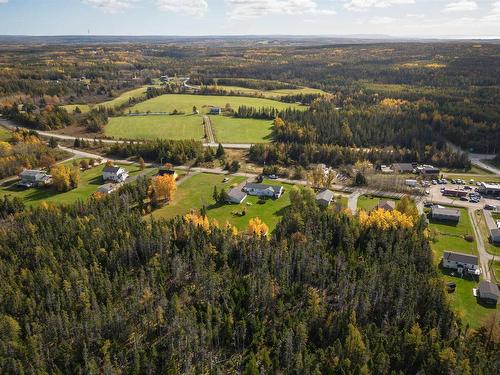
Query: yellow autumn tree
385	220
61	177
5	149
198	220
164	187
257	227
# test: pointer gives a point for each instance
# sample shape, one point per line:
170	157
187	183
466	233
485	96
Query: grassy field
185	103
90	181
495	269
276	94
241	130
197	190
5	134
448	236
485	233
123	98
477	178
153	127
368	203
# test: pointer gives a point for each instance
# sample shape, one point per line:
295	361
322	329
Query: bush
469	238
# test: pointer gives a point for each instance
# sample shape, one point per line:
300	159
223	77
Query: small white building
236	195
115	174
411	183
463	263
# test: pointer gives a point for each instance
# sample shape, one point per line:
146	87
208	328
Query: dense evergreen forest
96	288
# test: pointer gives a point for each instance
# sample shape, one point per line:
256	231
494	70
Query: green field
185	103
495	269
89	182
485	233
477	178
122	99
5	134
197	190
271	93
450	236
368	203
153	127
241	130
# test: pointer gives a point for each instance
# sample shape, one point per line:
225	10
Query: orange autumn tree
164	187
257	227
385	220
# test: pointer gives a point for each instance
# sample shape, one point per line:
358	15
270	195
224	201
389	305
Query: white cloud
111	6
362	5
188	7
239	9
4	1
381	20
460	6
494	15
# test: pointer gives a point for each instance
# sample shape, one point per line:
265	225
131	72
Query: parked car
273	176
489	207
464	199
434	182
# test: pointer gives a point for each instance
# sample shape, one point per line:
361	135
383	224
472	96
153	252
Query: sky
407	18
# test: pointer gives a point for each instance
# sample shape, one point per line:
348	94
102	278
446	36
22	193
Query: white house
262	190
461	262
34	178
116	174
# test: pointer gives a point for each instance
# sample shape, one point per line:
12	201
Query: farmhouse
34	178
386	205
489	189
236	195
488	293
215	111
262	190
324	197
445	214
495	236
403	167
108	188
461	262
116	174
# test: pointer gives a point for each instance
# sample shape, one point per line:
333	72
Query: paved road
484	256
477	159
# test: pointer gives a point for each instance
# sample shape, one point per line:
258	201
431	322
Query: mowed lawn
369	203
185	103
271	94
449	236
90	181
156	127
241	130
122	99
197	191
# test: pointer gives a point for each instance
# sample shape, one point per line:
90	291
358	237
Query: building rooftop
487	185
31	172
495	232
461	257
445	211
326	195
107	188
237	194
386	205
111	169
274	188
486	287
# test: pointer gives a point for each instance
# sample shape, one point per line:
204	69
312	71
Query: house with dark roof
108	188
168	172
34	178
386	205
445	214
495	236
488	293
403	167
115	174
324	197
215	111
263	190
462	263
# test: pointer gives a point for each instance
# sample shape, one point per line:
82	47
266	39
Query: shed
386	205
488	292
324	197
445	214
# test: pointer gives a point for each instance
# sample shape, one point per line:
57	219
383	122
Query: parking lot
471	198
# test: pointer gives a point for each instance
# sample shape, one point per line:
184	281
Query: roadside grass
122	99
155	127
473	170
238	130
483	229
477	178
5	134
184	103
197	191
368	203
90	180
495	269
448	236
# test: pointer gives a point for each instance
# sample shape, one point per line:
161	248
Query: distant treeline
335	156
